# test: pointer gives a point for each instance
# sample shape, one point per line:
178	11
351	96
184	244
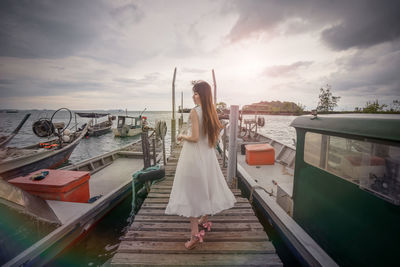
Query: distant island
185	110
274	108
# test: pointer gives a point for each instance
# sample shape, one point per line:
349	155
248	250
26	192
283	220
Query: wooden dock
154	239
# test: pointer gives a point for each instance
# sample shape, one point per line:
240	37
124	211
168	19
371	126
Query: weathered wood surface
156	239
191	259
212	236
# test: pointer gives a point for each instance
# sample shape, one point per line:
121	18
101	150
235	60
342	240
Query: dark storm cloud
283	70
54	29
356	23
369	72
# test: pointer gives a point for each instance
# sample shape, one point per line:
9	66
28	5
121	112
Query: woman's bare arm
195	128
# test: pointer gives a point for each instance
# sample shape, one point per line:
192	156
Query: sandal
207	225
198	238
203	222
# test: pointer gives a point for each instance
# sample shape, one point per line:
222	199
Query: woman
199	187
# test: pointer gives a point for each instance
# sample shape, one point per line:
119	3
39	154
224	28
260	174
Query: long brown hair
211	124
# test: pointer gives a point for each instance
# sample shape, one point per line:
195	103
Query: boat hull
132	132
46	249
31	164
66	235
98	132
41	159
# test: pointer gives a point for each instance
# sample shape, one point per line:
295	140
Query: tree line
327	102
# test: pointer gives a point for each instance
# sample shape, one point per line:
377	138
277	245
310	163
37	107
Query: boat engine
45	127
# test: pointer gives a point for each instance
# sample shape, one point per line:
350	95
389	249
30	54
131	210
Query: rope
161	129
258	187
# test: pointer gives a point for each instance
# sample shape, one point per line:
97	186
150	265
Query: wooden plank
212	236
230	212
217	227
146	204
158	186
169	183
166	199
167	194
226	260
259	247
167	189
177	219
236	238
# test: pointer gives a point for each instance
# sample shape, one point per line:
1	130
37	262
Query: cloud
364	24
194	70
283	70
57	29
29	87
344	24
370	74
149	78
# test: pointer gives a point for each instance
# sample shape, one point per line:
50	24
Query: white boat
110	182
128	126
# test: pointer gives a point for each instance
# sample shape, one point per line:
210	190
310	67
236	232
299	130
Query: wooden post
181	118
173	123
163	151
154	150
224	144
76	124
146	150
233	119
215	88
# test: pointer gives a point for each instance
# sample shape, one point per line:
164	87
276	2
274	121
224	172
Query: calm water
101	243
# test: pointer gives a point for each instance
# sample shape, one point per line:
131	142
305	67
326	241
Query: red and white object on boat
260	154
70	186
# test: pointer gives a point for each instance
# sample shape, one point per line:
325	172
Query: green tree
300	108
395	106
327	102
221	106
373	107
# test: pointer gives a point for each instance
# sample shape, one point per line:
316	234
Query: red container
260	154
71	186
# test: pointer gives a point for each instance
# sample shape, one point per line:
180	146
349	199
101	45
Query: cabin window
373	166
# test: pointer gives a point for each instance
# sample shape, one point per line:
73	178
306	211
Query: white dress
199	186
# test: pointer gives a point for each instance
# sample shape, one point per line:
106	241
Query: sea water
101	243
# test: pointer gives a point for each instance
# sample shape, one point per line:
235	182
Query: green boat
335	199
346	191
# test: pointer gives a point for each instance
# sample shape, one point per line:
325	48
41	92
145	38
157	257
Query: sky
122	54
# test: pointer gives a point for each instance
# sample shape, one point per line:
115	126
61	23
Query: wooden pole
224	144
76	124
181	118
146	150
215	88
154	150
163	151
233	119
173	123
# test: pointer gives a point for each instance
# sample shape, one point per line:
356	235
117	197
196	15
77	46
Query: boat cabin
347	186
134	122
128	126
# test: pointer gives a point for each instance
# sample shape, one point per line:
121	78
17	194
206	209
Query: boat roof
92	114
133	117
379	126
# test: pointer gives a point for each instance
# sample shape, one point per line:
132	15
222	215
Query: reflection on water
277	127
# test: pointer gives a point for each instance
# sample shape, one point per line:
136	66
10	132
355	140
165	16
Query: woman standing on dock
199	187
